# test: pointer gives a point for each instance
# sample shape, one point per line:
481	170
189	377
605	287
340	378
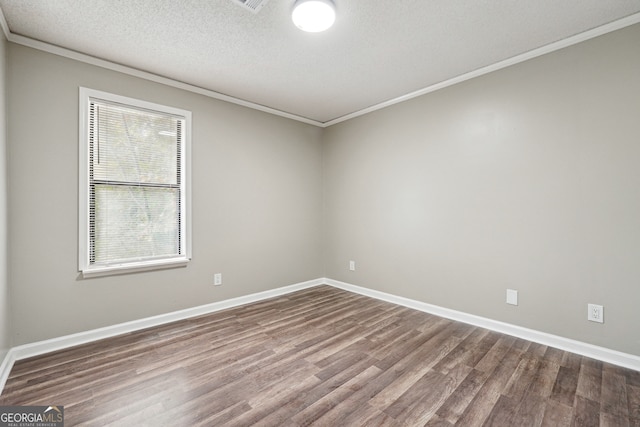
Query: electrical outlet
595	313
512	297
217	279
352	265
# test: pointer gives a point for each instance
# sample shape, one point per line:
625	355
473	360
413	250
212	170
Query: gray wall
526	178
256	206
5	306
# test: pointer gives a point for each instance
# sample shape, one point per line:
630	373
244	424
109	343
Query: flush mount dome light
313	15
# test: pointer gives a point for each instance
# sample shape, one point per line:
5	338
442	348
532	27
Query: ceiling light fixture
313	15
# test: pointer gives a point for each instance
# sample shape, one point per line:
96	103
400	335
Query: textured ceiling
378	50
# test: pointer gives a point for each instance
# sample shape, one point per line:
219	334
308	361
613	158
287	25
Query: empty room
320	212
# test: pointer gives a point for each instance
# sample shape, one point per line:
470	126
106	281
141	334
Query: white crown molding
593	351
56	50
87	59
4	25
561	44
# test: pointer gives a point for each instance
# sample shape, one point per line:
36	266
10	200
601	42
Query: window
134	185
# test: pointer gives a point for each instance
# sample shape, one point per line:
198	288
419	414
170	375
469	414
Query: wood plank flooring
324	357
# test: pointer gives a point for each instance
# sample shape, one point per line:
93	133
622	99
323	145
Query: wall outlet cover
512	297
595	313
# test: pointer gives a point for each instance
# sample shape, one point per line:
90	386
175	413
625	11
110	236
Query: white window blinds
135	184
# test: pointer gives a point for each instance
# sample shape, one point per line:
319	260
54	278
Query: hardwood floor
324	357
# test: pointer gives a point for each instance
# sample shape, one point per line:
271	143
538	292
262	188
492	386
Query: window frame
87	269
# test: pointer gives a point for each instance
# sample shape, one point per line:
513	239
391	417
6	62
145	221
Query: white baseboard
41	347
595	352
53	344
7	358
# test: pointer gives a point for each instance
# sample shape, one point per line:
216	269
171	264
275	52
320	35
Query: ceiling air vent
253	5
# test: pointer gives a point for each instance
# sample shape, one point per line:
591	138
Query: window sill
133	267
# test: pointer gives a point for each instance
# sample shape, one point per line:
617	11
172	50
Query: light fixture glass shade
313	15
